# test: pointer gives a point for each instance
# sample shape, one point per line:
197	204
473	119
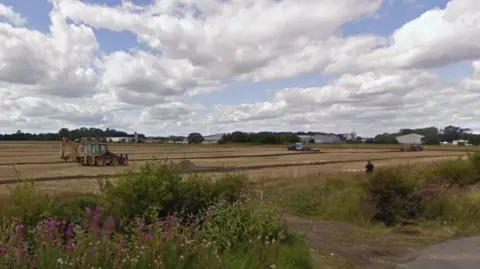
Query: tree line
433	136
70	134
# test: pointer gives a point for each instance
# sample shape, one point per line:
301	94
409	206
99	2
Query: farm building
410	139
320	139
122	139
212	139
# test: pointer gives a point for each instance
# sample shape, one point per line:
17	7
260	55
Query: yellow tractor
90	153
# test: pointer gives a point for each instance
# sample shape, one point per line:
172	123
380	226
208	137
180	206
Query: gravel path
455	254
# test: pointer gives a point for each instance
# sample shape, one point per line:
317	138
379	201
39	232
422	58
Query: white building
410	139
121	139
320	139
461	142
212	139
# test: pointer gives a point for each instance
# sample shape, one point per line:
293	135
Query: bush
159	189
455	171
392	194
236	224
73	209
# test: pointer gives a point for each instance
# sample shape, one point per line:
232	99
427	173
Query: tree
64	132
311	141
195	138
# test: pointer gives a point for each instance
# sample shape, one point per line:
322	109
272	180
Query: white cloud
437	38
11	16
235	38
59	63
186	48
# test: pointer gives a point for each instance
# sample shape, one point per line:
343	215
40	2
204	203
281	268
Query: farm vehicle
300	147
91	153
411	147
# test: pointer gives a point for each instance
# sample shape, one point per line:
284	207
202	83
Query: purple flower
148	238
3	251
88	211
19	228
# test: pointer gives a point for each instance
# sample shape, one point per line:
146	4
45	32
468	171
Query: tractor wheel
99	161
89	160
114	162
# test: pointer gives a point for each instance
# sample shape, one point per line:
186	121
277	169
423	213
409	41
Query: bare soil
350	247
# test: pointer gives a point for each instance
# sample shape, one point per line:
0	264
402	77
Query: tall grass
158	218
441	192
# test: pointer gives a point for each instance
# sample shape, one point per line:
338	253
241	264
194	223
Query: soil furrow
225	168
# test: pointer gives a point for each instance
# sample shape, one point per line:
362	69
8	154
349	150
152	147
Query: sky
163	67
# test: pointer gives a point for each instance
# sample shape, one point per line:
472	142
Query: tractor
411	147
90	153
299	147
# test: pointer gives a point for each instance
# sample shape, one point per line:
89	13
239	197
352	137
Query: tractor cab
92	149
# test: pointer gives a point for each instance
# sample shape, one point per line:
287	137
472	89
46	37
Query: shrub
159	189
455	171
391	193
236	224
73	208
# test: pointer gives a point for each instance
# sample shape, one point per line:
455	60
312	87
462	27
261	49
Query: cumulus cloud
10	15
235	38
58	63
436	38
189	48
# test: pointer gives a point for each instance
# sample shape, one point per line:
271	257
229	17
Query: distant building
212	139
122	139
461	142
410	139
320	139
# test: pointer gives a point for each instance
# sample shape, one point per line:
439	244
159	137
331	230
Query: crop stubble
257	161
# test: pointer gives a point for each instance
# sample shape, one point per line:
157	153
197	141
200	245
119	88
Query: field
40	161
332	211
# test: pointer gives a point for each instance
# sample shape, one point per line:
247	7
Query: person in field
369	167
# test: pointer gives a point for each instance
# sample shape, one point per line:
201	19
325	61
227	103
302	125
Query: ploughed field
40	161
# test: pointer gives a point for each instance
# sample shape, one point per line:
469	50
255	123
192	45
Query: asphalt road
455	254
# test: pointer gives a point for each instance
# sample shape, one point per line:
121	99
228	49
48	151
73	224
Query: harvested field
40	160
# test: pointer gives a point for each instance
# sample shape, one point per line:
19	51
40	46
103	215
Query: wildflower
59	261
273	266
3	251
148	238
19	228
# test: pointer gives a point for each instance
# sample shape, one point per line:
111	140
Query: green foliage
261	138
392	194
64	132
26	205
459	171
73	209
455	171
236	224
161	189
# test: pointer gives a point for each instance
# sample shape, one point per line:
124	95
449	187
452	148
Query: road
455	254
